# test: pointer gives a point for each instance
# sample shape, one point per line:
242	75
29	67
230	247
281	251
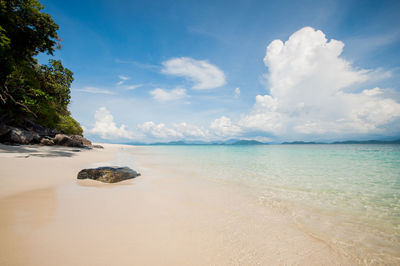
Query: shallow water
345	195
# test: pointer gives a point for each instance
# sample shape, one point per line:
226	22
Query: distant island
302	142
244	142
396	141
181	142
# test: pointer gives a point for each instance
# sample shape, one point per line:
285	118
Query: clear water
346	195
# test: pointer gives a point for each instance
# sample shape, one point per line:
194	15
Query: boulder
28	132
47	142
80	139
41	130
20	136
64	140
71	141
97	146
108	174
4	130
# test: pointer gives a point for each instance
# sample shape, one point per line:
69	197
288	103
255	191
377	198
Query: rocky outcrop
39	129
97	146
47	142
108	174
16	135
30	133
4	130
71	141
24	137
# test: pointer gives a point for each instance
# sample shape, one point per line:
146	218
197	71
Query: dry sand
168	216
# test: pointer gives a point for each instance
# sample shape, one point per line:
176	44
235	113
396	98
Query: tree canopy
28	89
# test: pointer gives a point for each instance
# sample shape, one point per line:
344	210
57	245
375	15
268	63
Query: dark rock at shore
47	142
108	174
17	135
97	146
31	133
85	142
24	137
39	129
71	141
4	130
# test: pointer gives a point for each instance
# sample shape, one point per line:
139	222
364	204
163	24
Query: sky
273	71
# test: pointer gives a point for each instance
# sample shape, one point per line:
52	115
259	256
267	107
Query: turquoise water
346	195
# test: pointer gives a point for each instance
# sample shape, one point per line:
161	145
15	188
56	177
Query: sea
347	195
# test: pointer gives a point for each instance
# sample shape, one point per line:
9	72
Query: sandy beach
167	216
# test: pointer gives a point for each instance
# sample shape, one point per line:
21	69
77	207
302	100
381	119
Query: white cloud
159	131
221	129
203	74
106	128
191	131
132	87
95	90
309	92
237	93
373	92
124	78
224	127
127	87
162	95
175	132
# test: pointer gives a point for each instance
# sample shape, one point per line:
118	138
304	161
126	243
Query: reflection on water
347	195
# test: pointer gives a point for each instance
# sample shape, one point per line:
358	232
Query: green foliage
69	125
29	32
4	40
27	89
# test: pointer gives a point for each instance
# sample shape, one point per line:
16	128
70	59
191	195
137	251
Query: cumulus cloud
310	92
373	92
162	95
176	131
237	93
106	128
203	74
160	131
224	127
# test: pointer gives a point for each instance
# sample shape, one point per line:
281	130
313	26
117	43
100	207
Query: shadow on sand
25	151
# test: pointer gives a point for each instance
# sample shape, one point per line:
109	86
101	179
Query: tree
25	32
27	89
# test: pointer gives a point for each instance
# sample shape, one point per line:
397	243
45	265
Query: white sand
168	216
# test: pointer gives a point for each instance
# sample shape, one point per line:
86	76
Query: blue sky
200	70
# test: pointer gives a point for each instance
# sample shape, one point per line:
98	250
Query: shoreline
168	216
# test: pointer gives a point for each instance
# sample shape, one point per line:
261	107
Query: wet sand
167	216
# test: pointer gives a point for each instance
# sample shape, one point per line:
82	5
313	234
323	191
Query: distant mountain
302	142
171	143
255	142
397	141
181	142
247	142
224	142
